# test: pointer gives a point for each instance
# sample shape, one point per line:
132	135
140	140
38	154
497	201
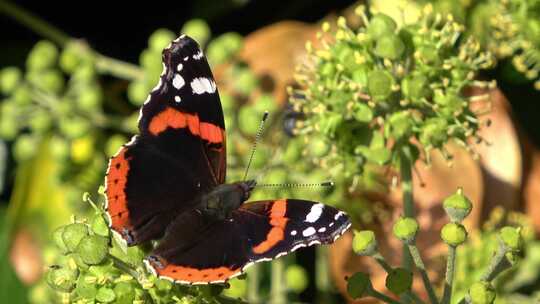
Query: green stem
422	268
498	264
104	64
253	279
277	289
33	22
449	279
125	267
382	262
405	169
382	297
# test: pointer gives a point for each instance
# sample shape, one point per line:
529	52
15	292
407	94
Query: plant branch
422	268
253	279
277	288
33	22
386	299
405	169
498	264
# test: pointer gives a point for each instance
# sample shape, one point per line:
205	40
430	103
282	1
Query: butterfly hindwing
257	231
179	154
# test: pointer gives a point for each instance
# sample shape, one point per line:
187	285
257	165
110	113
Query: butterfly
168	184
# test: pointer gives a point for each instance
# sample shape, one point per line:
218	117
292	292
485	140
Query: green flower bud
380	84
434	132
406	229
99	226
415	88
362	112
248	120
21	95
62	278
93	249
47	80
106	269
197	29
399	280
76	258
8	128
163	285
10	78
457	206
73	127
150	59
82	149
105	295
232	42
364	243
482	293
137	92
389	46
125	293
85	289
25	147
454	234
58	241
265	103
42	56
70	58
224	48
246	81
59	147
114	143
318	147
296	278
450	103
73	234
330	123
40	121
237	289
511	238
429	55
293	151
90	99
379	156
400	125
160	39
358	285
84	73
381	25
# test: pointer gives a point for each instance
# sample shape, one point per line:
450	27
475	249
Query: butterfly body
168	184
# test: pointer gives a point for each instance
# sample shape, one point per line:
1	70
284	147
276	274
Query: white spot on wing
203	85
179	67
338	215
198	56
177	98
178	81
293	232
308	231
321	230
315	213
186	58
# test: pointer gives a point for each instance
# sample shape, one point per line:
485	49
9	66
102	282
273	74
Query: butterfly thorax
224	199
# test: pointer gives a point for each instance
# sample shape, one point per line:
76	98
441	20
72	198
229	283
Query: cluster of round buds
368	92
90	266
514	31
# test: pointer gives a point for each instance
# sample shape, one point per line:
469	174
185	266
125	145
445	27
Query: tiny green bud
114	143
76	258
482	293
358	285
58	241
10	77
197	29
400	125
399	280
43	55
318	147
381	25
389	46
511	238
248	120
105	295
296	278
362	112
73	234
25	147
406	229
246	81
415	87
237	289
62	278
364	242
457	206
125	293
163	285
93	249
434	132
454	234
160	39
380	84
85	289
99	226
137	92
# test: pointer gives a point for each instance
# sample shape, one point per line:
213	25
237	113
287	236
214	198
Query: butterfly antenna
298	185
254	147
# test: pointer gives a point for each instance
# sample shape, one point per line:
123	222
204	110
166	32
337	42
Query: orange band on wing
194	275
278	222
116	197
172	118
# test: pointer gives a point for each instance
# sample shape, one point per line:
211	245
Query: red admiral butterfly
168	182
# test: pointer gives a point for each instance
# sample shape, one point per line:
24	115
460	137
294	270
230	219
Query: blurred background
72	78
